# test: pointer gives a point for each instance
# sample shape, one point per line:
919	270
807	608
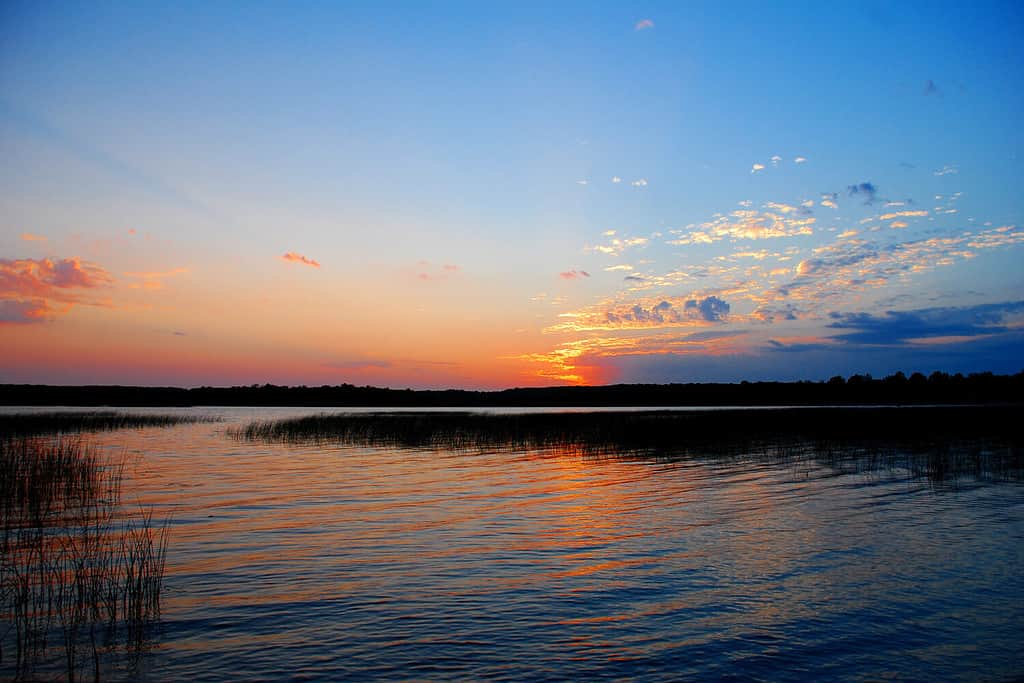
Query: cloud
31	311
640	182
840	269
868	190
798	345
29	237
643	25
781	220
30	289
573	274
154	279
299	258
692	311
775	160
621	266
756	167
589	359
902	214
616	179
829	199
430	273
800	160
616	246
582	182
946	170
357	364
711	308
47	278
922	326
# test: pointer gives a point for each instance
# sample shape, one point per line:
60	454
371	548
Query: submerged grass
79	579
941	443
37	424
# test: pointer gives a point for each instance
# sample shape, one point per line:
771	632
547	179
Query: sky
488	195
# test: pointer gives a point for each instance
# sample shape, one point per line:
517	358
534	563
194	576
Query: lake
306	561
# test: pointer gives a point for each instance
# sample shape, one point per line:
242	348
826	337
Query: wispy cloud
616	179
639	182
946	170
427	272
153	279
780	220
643	25
841	269
903	214
299	258
616	246
29	237
357	364
756	167
800	160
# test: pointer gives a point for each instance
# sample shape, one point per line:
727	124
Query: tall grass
940	443
79	579
35	424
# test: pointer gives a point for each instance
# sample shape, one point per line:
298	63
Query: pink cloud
431	273
299	258
29	288
573	274
643	24
29	237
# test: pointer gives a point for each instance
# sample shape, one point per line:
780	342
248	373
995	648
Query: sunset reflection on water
330	562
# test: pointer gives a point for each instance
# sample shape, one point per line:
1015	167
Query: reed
37	424
939	443
79	578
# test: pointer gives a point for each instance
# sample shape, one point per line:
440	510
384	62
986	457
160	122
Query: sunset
484	198
510	302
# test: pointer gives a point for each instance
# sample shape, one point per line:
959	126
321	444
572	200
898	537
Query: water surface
318	562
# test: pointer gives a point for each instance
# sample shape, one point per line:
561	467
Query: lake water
307	562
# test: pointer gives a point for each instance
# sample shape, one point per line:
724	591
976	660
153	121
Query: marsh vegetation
81	574
942	443
34	424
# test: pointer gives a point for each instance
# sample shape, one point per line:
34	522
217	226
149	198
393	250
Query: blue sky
486	189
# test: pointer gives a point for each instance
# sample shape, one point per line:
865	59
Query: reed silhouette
942	443
80	580
32	424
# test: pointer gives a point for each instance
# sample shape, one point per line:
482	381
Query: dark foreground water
305	562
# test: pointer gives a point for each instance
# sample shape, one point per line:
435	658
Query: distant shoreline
857	390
